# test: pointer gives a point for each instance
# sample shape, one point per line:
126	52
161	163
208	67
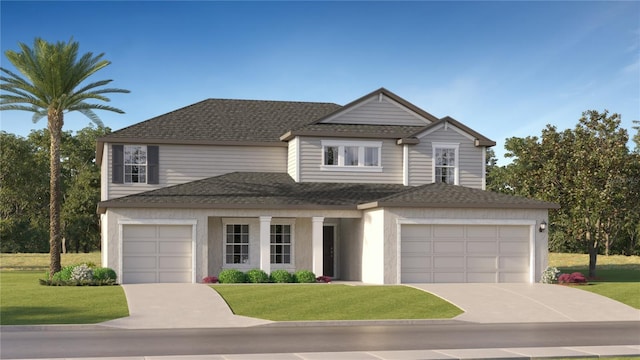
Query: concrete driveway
521	303
174	306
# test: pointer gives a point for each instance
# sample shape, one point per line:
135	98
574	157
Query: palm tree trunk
55	119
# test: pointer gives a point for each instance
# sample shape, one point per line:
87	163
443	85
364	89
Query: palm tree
53	84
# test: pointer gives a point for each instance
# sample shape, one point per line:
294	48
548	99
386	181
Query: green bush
64	274
257	276
304	276
231	276
281	276
102	273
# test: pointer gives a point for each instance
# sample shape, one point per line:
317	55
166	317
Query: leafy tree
52	83
23	204
79	218
587	170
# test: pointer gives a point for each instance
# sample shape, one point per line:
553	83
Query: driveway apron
171	306
519	303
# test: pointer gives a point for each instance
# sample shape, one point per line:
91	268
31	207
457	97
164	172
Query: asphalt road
282	339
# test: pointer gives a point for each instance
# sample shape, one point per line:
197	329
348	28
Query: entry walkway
527	303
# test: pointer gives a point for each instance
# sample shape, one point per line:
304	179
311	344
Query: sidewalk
444	354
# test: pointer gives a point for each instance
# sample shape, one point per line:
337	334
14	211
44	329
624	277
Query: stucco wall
208	259
392	216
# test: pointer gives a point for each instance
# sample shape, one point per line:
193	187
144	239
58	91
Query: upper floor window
135	164
445	163
351	155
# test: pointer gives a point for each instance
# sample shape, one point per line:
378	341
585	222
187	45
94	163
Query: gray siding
469	158
375	112
311	162
184	163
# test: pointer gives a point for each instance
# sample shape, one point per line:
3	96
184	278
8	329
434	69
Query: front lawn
23	301
617	276
288	302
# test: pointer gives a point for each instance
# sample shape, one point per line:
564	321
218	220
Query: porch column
317	246
265	244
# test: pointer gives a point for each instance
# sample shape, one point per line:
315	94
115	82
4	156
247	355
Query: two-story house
378	191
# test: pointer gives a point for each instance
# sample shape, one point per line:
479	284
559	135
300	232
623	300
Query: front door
328	249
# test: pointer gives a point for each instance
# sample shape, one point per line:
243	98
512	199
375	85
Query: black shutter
152	165
117	164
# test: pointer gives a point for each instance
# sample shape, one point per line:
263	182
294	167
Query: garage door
464	253
157	253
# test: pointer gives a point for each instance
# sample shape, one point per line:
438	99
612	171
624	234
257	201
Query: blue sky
502	68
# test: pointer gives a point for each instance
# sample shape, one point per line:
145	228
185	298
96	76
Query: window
237	244
331	155
445	162
281	244
351	155
135	164
140	164
371	156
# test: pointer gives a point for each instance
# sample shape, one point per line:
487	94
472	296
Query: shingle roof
354	130
278	190
220	120
452	196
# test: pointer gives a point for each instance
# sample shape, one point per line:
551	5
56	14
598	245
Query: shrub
573	278
231	276
102	273
82	273
257	276
323	279
64	274
281	276
550	275
210	280
304	276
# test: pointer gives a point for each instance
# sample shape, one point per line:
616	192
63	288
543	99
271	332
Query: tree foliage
24	191
590	172
52	82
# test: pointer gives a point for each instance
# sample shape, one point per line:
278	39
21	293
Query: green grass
23	301
41	261
617	276
287	302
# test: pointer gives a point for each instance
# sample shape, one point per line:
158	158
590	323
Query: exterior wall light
543	226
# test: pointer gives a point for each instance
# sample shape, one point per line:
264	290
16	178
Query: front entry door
328	249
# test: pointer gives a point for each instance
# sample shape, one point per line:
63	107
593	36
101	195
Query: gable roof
248	190
480	140
387	93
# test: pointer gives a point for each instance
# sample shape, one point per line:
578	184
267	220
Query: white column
265	243
317	245
405	165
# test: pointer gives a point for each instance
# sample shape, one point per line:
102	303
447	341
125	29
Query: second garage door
157	254
464	253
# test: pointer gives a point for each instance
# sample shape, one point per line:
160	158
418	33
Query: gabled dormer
382	138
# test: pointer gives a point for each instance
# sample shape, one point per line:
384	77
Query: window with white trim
445	163
236	243
351	155
135	164
281	240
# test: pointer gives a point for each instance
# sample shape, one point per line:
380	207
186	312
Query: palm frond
92	116
51	76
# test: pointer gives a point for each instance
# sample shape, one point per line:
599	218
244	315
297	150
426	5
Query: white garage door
464	253
157	254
